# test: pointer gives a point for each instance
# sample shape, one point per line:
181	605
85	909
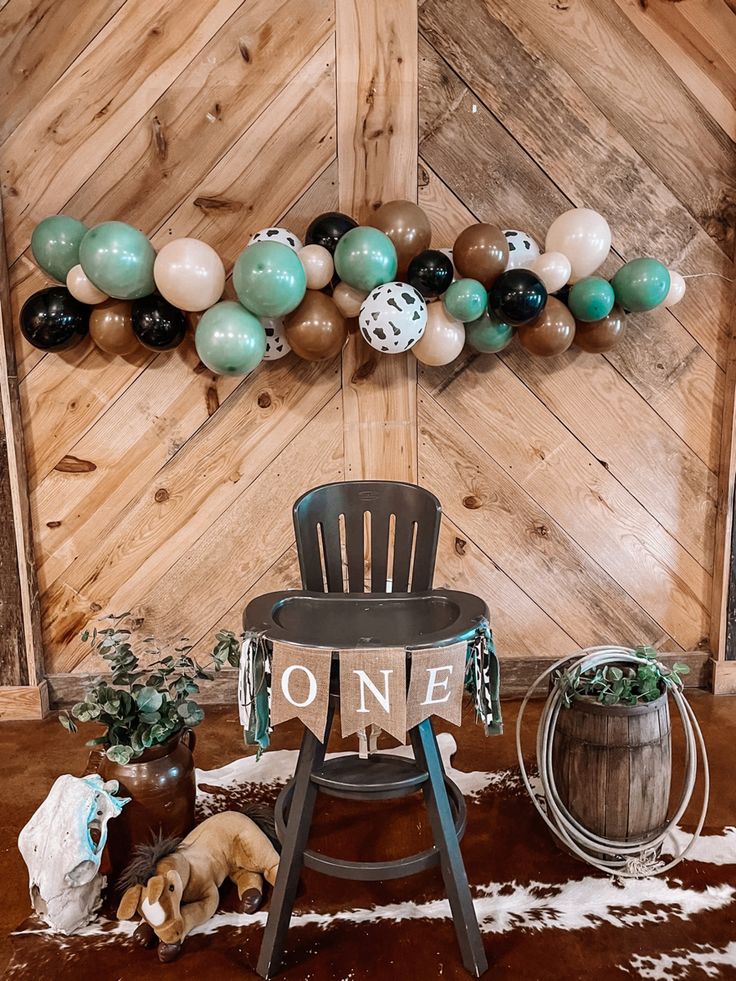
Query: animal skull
62	846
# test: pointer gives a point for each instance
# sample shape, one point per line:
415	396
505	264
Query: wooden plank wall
579	493
583	487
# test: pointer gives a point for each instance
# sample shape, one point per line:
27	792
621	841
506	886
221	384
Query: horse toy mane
172	883
145	858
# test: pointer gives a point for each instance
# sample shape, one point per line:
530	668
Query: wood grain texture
24	701
697	40
598	168
377	153
723	603
659	358
38	42
580	494
524	540
21	652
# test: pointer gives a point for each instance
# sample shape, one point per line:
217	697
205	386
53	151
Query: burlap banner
300	685
373	690
436	684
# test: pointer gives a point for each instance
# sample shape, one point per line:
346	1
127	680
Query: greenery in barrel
144	705
624	683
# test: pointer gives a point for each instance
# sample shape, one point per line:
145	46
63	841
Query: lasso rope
631	859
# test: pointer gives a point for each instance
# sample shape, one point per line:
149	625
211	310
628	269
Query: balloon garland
297	296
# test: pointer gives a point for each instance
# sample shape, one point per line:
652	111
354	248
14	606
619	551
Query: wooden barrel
613	764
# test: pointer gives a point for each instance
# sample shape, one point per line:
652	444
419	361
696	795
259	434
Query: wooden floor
579	492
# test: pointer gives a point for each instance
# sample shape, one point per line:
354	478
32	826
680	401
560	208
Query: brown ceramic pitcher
162	786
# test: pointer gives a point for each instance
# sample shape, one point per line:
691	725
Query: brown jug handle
189	738
94	761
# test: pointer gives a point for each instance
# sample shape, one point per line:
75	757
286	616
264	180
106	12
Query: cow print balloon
282	235
276	344
522	248
393	317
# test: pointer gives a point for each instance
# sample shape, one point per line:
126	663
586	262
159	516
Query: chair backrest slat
402	523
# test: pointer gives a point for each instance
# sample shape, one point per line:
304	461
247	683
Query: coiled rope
640	856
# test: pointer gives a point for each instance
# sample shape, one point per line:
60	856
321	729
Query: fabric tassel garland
254	690
482	680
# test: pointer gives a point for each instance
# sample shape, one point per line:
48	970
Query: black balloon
53	320
430	272
157	324
327	230
517	297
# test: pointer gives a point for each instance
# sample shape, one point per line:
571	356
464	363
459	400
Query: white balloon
82	288
189	274
319	266
348	299
282	235
393	317
584	237
676	290
553	268
276	344
443	338
522	248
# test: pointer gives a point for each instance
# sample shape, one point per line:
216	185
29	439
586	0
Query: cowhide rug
543	915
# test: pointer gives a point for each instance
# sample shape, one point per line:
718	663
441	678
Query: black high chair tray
341	621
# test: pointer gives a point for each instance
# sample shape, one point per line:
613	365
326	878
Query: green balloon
55	245
641	284
365	258
269	279
591	299
229	339
465	299
489	335
118	259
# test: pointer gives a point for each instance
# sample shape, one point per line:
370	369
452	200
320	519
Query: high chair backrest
367	536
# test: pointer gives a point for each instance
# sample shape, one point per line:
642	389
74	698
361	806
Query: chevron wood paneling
580	492
591	482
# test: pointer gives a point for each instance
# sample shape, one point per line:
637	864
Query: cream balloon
348	299
443	338
676	290
83	289
584	237
318	266
189	274
553	268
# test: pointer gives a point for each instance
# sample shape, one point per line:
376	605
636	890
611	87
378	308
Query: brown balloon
408	228
481	252
598	336
551	333
316	330
111	328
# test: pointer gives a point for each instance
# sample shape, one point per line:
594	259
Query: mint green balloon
229	339
55	245
591	299
269	279
465	299
365	258
641	284
118	259
489	335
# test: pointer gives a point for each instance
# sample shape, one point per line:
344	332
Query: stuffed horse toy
173	884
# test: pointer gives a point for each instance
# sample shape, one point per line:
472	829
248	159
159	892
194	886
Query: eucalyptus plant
144	705
622	684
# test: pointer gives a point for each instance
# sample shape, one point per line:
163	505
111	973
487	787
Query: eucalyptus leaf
119	754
